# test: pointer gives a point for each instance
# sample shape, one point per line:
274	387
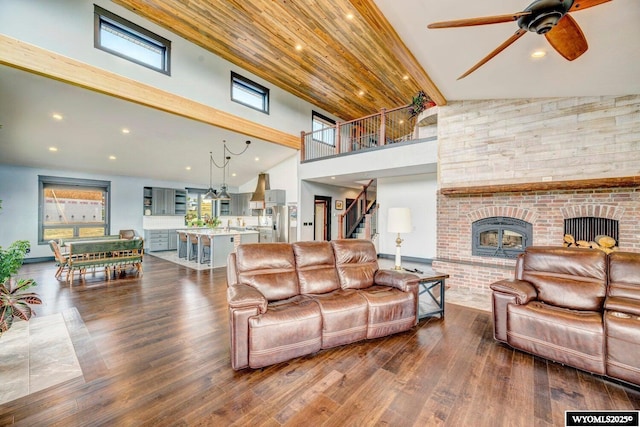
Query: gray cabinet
173	240
164	201
275	197
240	205
156	240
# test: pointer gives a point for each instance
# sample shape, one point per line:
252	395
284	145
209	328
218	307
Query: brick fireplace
545	210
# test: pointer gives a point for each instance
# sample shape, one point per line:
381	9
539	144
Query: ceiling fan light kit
548	17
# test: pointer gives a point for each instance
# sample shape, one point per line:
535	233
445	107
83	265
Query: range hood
257	198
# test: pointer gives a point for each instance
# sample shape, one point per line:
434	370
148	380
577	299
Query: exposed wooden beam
578	184
17	54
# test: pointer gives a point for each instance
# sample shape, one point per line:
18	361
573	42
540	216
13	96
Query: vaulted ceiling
340	55
380	47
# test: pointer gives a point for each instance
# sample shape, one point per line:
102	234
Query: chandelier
226	158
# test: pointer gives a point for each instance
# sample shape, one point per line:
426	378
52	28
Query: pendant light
211	193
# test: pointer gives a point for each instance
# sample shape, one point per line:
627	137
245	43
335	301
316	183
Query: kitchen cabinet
156	240
164	201
275	197
173	240
239	205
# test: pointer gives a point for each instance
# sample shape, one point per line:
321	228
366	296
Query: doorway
322	218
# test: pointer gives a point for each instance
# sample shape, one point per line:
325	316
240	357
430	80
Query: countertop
216	232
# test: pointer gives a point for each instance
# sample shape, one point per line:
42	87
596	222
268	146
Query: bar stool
182	244
194	247
206	249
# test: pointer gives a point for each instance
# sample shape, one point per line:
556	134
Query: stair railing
383	128
355	212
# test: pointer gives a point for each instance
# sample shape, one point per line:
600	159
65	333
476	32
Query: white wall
309	190
66	27
19	195
418	193
283	176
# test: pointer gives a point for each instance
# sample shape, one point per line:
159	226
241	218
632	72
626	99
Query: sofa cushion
356	262
268	267
624	275
623	346
344	317
567	277
316	266
567	336
289	328
389	310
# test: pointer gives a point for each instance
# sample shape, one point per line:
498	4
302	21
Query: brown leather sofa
289	300
579	307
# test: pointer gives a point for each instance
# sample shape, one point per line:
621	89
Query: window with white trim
323	128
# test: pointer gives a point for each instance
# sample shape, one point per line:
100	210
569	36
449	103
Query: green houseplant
14	299
419	103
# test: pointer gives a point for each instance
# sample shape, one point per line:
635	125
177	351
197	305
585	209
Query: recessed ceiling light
349	16
401	122
333	177
361	93
53	149
233	174
112	157
298	47
405	77
188	168
125	130
538	54
57	116
257	159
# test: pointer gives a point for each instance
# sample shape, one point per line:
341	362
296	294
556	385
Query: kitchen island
213	245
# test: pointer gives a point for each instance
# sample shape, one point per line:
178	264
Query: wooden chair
62	262
127	234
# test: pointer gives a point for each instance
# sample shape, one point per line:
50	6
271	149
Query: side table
431	288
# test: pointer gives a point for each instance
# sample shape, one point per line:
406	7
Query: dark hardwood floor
154	351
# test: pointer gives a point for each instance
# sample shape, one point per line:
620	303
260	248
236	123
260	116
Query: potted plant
213	222
419	103
14	299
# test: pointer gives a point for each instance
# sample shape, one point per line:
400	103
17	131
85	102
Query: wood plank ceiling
349	62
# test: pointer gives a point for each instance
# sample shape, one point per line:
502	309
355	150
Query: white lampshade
399	220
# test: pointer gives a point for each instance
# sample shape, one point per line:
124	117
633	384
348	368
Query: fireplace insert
500	237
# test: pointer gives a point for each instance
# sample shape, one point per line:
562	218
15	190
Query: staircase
360	218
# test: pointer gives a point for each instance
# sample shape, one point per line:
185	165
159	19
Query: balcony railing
386	127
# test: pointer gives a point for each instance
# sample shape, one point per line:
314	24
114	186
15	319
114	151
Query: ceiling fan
548	17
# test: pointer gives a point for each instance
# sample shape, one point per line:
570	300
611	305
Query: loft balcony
394	127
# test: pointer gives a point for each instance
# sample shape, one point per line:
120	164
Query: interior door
320	221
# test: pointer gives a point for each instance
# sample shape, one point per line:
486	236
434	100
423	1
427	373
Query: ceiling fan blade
496	51
567	38
470	22
585	4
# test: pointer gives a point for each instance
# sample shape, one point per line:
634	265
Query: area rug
36	355
172	256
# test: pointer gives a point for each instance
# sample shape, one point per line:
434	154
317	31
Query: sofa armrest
623	305
245	296
406	282
521	289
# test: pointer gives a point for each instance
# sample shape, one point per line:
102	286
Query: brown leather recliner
579	307
289	300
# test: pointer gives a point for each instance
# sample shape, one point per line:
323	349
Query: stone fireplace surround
545	209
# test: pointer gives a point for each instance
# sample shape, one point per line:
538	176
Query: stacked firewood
604	243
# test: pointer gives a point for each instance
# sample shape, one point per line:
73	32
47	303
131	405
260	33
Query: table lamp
399	221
